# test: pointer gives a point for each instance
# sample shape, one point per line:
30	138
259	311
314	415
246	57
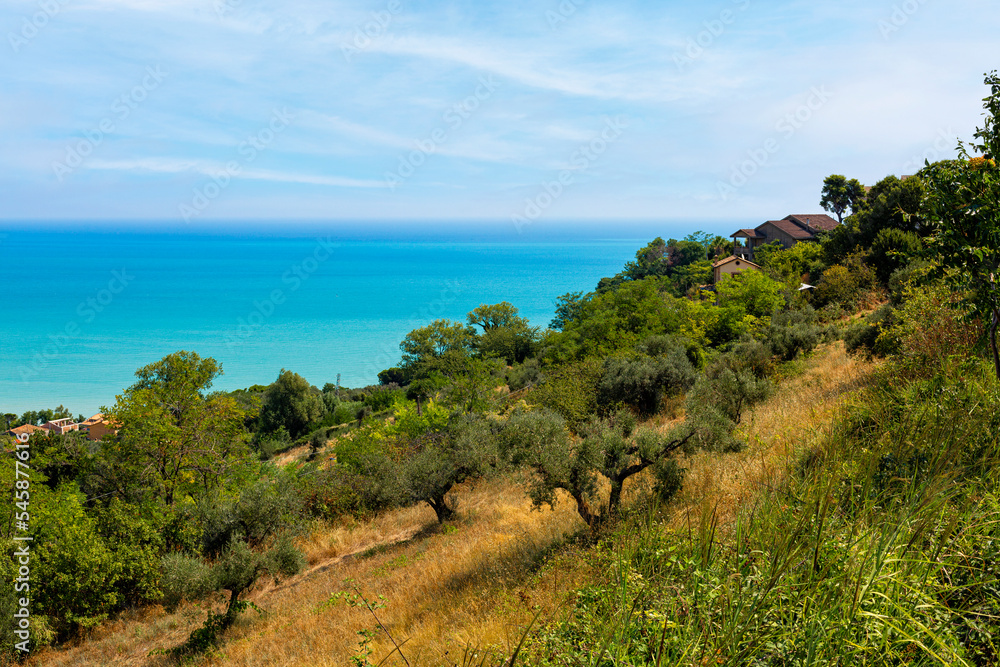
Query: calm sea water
82	311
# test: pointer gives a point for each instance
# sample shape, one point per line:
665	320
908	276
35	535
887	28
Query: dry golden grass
777	432
469	584
474	583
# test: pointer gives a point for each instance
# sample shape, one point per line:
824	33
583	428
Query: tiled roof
792	229
731	258
819	221
26	428
749	233
96	419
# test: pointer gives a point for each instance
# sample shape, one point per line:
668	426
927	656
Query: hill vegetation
702	512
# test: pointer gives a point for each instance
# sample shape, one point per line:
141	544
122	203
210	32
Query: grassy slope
474	584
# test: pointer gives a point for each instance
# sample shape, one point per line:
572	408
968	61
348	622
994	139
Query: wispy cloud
175	166
354	121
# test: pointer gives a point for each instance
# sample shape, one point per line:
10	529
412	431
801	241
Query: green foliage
803	262
568	308
441	346
74	575
393	375
642	383
869	337
430	466
255	514
291	402
347	412
134	535
750	293
570	390
383	398
620	319
839	194
848	284
184	577
795	332
891	250
505	334
524	375
174	439
717	402
962	206
608	448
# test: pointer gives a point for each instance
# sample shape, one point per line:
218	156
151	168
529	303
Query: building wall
731	268
98	431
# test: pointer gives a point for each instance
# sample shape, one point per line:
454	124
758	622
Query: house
61	426
96	427
788	231
28	430
729	266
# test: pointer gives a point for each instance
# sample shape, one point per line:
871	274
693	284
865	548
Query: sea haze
84	310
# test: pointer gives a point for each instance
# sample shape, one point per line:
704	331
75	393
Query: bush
851	284
795	332
570	390
74	575
272	444
864	338
285	558
135	537
642	383
347	412
891	250
185	577
383	398
524	375
719	399
260	511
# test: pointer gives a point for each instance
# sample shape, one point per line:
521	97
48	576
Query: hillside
474	583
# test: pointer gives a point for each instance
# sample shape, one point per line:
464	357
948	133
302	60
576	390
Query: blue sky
193	111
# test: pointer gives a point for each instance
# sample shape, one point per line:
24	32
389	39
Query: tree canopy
962	204
839	194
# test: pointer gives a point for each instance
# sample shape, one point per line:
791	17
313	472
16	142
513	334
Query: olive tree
430	466
611	449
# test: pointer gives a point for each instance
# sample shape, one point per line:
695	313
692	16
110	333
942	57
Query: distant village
95	428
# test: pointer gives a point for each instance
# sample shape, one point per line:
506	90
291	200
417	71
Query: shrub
642	383
570	390
135	537
185	577
347	412
74	574
285	558
524	375
382	398
718	400
795	332
850	284
866	338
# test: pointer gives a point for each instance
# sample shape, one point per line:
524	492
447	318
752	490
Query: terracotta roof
731	258
749	233
96	419
26	428
792	229
819	221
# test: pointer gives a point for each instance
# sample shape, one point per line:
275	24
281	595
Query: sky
186	112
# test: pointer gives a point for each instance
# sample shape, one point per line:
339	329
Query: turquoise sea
82	310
